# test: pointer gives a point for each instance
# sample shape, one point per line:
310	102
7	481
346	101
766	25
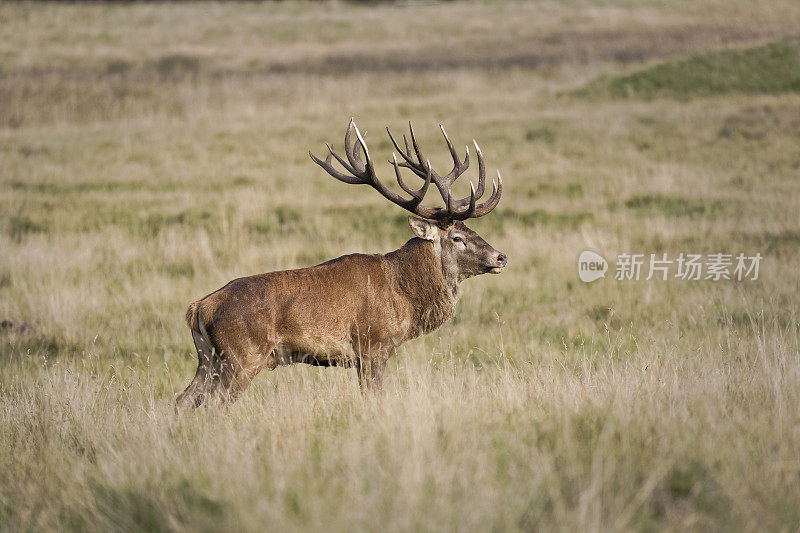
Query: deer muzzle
500	260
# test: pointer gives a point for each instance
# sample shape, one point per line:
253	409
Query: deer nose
502	260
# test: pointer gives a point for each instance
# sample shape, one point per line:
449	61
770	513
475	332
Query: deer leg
236	373
194	394
370	369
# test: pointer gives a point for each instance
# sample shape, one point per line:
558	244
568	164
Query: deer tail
194	320
191	316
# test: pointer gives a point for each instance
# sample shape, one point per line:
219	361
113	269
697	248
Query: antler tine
406	154
418	194
481	169
449	145
469	212
481	176
400	181
420	157
417	167
339	158
356	151
349	150
494	199
458	166
444	184
368	161
329	168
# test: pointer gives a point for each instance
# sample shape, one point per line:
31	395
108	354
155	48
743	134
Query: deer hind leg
235	372
205	376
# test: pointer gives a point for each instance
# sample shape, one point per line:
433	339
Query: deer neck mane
430	284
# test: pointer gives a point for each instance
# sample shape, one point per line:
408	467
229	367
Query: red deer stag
354	310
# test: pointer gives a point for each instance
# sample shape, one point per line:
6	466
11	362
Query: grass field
150	153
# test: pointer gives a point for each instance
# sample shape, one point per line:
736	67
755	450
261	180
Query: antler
363	172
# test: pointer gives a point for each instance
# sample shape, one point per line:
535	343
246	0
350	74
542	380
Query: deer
357	309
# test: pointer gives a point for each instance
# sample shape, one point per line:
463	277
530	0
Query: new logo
591	266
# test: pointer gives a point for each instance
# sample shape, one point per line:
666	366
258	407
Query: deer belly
321	354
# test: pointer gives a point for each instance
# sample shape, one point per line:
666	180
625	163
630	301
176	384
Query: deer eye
457	239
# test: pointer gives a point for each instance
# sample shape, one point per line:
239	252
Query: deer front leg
370	369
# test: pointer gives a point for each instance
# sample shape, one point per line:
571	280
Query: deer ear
423	228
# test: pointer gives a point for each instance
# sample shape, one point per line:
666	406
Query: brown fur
350	311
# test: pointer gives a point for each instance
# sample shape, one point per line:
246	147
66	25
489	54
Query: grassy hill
772	68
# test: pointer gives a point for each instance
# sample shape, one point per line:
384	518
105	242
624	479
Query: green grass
673	206
772	68
152	152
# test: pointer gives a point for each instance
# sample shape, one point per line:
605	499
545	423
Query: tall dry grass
150	153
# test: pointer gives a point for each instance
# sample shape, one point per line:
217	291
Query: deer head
464	253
